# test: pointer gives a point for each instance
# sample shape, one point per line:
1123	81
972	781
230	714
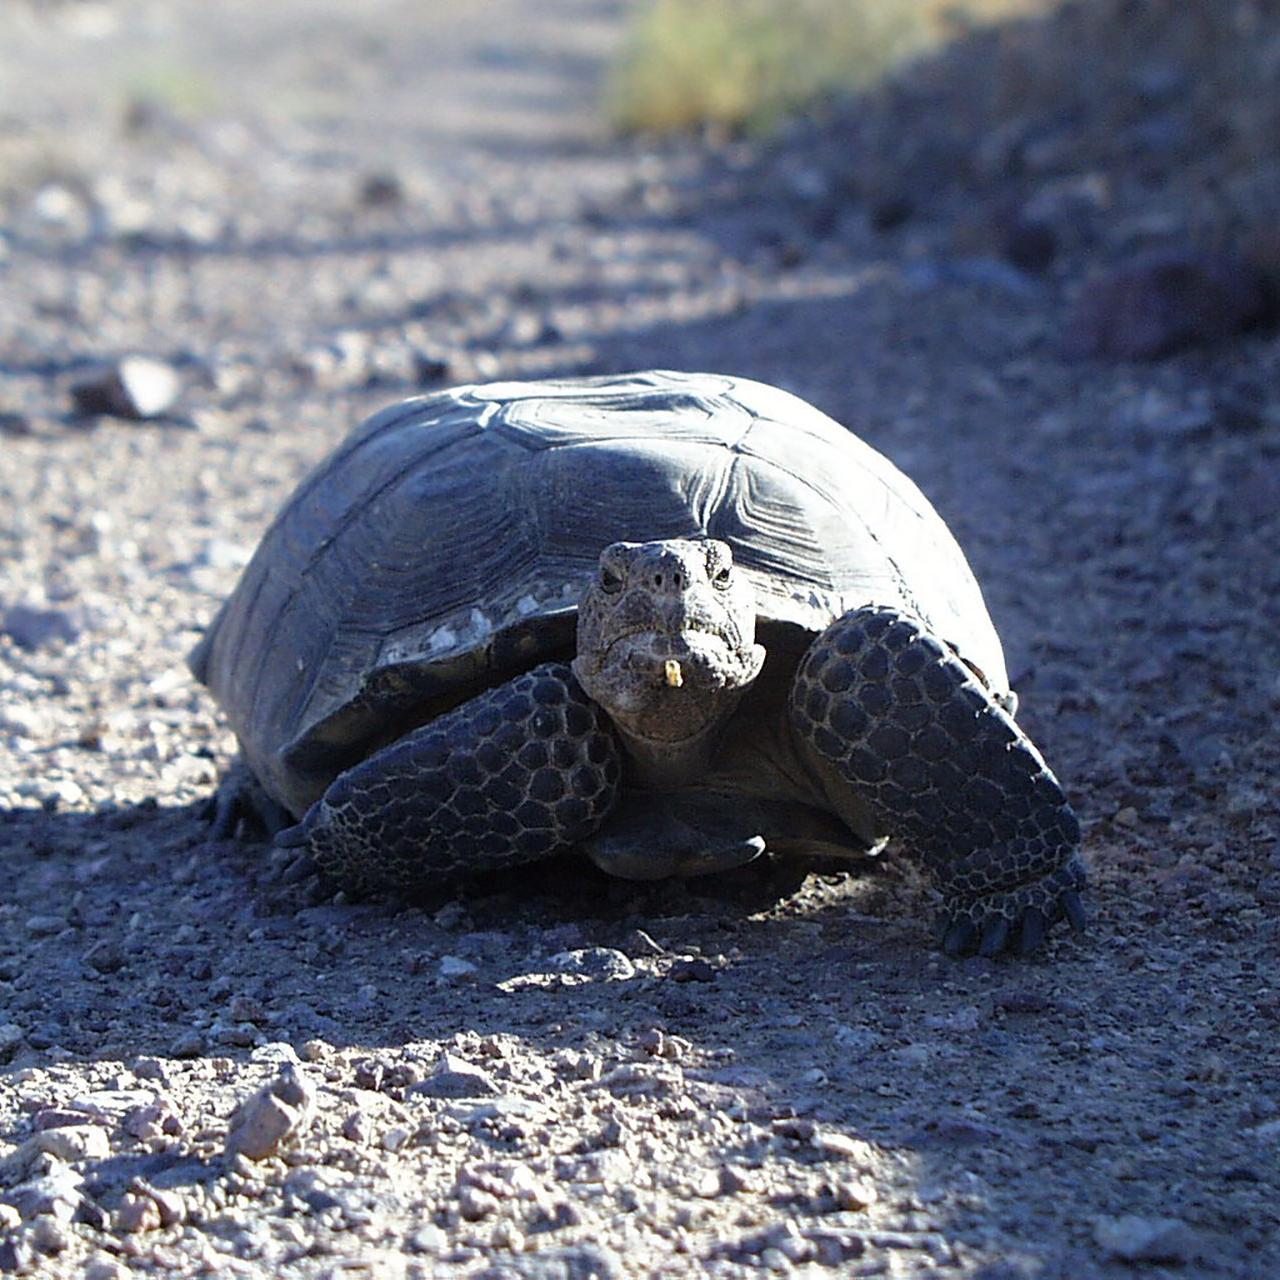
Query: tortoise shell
443	547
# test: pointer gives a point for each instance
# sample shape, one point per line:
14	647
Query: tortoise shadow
153	932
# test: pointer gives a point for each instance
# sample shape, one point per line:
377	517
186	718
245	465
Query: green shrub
746	63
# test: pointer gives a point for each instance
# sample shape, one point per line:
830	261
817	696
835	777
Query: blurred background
1027	249
345	192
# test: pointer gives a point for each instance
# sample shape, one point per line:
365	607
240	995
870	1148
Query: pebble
315	1051
31	627
71	1143
104	1268
601	964
11	1036
1132	1238
106	956
135	387
355	1128
276	1113
190	1044
137	1214
695	969
1029	243
833	1143
45	926
455	1077
427	1239
55	1193
394	1139
49	1235
171	1207
455	967
16	1256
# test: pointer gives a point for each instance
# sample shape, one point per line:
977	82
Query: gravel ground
304	214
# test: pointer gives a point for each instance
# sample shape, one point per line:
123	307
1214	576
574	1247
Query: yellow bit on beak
672	674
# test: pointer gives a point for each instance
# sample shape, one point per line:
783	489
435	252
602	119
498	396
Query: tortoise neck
663	765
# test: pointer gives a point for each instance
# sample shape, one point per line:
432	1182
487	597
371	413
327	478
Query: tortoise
668	619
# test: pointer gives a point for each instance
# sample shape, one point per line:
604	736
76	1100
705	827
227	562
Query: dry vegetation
745	63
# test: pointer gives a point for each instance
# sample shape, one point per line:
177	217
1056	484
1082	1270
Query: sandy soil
308	211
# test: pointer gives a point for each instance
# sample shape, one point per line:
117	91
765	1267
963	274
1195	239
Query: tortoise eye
721	574
610	581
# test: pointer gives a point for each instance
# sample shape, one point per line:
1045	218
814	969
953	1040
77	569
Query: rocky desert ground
1037	272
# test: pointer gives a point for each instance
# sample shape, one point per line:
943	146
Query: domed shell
444	546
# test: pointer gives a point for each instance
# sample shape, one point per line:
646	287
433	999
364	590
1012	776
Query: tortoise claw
1033	929
1073	909
960	938
291	837
995	937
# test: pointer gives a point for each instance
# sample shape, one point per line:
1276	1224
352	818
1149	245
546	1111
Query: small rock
190	1044
152	1120
135	387
427	1239
240	1035
1136	1239
429	370
137	1214
105	956
601	964
11	1036
33	628
316	1051
55	1194
1031	245
380	190
394	1139
1163	302
43	926
455	1077
832	1247
60	1118
16	1256
49	1235
355	1128
692	970
455	967
475	1204
169	1204
14	424
105	1268
854	1193
833	1143
267	1119
70	1143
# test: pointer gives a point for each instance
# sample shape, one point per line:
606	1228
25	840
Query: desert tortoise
671	619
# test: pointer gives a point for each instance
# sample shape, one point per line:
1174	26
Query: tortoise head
666	640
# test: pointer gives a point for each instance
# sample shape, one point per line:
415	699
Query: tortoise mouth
707	657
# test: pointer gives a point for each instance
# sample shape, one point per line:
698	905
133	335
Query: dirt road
307	211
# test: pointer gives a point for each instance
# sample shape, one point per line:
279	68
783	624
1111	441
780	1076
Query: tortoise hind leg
892	712
240	805
510	776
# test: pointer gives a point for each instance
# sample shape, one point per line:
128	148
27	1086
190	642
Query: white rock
455	967
279	1111
455	1077
71	1143
1132	1238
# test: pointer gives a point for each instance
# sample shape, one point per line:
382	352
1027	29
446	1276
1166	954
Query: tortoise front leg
510	776
896	715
